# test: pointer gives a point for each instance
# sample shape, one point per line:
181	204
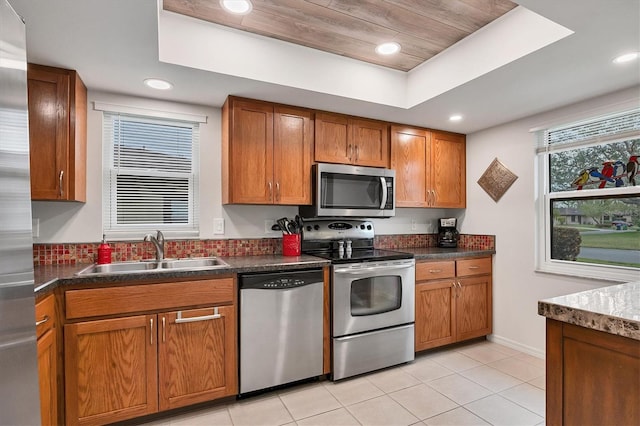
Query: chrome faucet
158	242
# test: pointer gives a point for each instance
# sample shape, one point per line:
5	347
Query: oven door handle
383	182
379	269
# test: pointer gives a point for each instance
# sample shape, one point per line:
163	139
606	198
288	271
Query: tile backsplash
73	253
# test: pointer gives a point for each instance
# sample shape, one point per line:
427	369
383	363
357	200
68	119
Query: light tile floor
480	383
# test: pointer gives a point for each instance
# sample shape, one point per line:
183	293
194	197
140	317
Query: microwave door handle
383	182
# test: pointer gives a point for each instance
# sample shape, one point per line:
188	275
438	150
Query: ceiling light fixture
156	83
627	57
388	48
239	7
456	117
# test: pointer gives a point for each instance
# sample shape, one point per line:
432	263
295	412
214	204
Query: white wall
63	222
516	286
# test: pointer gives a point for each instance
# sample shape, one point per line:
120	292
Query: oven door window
350	191
376	295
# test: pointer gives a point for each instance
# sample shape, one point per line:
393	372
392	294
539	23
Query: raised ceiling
353	29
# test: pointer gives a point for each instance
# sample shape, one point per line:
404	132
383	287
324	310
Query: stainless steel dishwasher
280	328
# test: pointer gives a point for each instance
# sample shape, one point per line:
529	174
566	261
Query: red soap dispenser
104	252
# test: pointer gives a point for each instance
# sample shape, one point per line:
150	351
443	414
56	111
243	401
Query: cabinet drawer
473	266
45	315
435	270
147	297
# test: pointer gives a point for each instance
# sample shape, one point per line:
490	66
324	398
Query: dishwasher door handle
180	320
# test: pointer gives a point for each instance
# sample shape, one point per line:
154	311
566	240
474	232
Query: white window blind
150	178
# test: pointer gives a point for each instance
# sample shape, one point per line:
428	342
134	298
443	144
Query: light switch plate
218	226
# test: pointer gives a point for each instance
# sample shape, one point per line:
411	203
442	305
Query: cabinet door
47	372
251	154
409	154
197	360
448	170
371	142
292	155
332	140
435	314
473	307
48	95
111	369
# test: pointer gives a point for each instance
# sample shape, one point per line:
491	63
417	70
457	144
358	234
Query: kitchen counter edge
48	277
613	309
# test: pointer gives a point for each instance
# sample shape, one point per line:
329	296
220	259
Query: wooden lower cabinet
453	301
47	348
196	356
138	364
111	370
592	377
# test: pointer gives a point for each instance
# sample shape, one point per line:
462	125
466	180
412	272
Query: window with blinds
589	197
150	175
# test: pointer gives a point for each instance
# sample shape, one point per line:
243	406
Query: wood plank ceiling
353	28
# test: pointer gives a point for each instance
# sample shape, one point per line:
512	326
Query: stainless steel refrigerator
19	395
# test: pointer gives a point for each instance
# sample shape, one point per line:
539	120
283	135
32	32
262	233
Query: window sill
613	274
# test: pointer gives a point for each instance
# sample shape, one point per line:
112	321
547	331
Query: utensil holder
291	245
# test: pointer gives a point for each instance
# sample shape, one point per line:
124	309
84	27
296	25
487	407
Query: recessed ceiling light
456	117
627	57
156	83
239	7
388	48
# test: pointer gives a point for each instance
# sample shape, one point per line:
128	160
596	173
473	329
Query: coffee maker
447	233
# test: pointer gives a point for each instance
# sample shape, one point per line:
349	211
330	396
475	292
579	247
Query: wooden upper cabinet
332	142
266	153
430	167
448	169
57	133
351	140
409	158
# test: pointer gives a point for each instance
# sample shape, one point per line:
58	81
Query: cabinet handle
357	152
433	197
350	152
151	333
180	320
270	191
474	267
61	191
43	320
164	326
435	271
277	191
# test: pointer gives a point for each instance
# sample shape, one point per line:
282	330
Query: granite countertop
614	309
51	276
438	253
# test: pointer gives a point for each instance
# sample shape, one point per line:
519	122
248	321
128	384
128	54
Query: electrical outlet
414	224
268	223
218	226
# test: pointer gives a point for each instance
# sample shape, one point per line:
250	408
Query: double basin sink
166	265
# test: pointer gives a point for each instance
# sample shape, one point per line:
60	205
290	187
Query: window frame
544	219
136	231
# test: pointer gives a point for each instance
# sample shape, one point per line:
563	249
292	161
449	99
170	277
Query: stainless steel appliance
19	394
372	296
447	233
351	191
281	328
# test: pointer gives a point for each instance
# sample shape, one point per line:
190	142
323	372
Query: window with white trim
150	175
589	198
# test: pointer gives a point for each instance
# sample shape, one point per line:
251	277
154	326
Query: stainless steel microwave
341	190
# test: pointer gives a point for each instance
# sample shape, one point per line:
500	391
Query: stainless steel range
372	295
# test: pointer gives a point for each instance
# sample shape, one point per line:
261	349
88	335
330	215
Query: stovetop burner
331	239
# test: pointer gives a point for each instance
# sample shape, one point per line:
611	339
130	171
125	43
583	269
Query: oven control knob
309	228
362	226
369	227
316	227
